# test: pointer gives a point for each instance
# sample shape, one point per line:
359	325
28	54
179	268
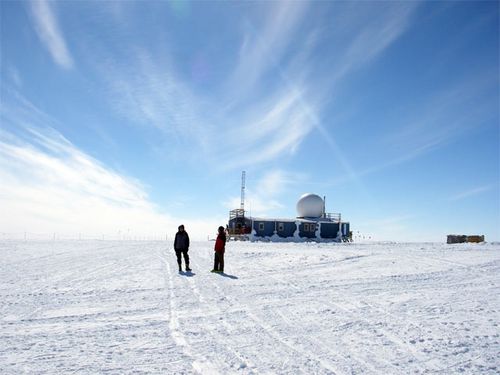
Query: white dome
310	205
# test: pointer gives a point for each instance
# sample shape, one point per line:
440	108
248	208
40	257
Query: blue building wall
305	231
286	229
329	230
266	231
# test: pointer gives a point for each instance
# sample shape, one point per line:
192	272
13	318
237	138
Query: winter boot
187	268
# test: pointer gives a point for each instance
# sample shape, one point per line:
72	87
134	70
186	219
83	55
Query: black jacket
181	241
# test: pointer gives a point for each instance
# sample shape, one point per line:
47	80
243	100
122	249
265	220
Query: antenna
242	204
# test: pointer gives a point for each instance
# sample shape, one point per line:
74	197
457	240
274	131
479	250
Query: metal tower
242	204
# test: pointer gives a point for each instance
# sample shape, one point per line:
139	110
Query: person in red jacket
220	247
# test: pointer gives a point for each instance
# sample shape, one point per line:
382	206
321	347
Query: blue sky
134	117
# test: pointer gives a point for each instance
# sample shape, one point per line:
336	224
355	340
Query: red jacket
220	243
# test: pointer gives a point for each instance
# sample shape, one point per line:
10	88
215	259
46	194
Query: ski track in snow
120	307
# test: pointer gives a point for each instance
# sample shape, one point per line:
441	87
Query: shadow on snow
187	273
228	276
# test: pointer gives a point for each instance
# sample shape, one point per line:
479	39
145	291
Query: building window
281	227
309	227
261	226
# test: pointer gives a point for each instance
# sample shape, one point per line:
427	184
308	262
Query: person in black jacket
181	246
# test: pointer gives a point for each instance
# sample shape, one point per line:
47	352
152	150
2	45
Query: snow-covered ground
121	307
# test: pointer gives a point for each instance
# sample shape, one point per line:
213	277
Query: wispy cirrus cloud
381	27
441	118
152	91
277	181
303	87
471	192
375	32
272	98
14	76
49	32
274	114
49	185
262	48
149	92
268	133
445	115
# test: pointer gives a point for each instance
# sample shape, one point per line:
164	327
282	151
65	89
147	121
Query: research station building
312	223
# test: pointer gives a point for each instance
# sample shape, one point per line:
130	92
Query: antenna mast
242	204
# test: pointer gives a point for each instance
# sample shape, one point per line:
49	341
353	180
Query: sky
126	119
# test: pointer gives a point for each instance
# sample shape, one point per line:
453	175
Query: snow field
121	307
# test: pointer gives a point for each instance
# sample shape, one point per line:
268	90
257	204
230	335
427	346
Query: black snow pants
219	261
186	257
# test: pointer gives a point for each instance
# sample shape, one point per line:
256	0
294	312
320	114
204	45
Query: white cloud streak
444	117
260	118
50	186
15	76
472	192
262	49
381	29
280	130
47	27
150	91
378	31
269	134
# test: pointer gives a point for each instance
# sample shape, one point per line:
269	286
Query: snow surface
121	307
